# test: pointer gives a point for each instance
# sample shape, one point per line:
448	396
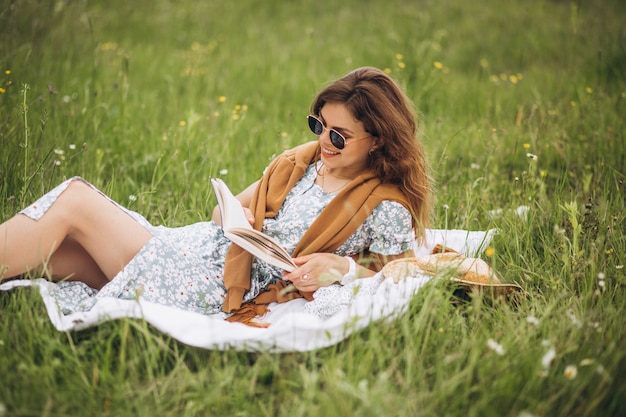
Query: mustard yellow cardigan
335	224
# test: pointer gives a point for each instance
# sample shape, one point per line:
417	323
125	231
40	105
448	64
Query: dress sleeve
389	229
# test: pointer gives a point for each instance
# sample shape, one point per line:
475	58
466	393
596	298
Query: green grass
127	95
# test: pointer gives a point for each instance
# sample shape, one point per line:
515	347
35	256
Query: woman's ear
378	143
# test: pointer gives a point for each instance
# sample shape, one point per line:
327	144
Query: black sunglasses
336	138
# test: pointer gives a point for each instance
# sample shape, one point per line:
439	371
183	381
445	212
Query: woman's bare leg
108	235
71	262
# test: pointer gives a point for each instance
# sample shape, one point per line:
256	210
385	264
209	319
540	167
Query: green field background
519	104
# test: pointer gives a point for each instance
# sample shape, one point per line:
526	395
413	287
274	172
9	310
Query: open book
239	231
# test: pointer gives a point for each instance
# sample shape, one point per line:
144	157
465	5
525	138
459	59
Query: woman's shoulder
391	205
391	192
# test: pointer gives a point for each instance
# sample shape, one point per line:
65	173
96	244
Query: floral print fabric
183	267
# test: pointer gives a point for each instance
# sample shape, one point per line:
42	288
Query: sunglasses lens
315	125
337	140
317	128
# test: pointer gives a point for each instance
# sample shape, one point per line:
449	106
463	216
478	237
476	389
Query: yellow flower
526	146
2	90
238	107
235	117
490	251
438	65
399	56
222	99
484	63
284	134
513	79
401	64
589	90
182	123
7	72
387	70
244	107
108	46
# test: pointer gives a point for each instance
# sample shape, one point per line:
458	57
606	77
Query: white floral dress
183	267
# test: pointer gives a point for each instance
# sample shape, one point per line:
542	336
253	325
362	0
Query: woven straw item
472	272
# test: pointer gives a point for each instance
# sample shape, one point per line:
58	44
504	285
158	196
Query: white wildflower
446	207
522	212
586	362
495	346
570	371
72	146
132	198
619	266
532	156
601	283
533	320
548	357
57	162
475	166
574	319
223	171
59	151
363	385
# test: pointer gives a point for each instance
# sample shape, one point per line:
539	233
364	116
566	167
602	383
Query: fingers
302	279
309	281
313	271
249	215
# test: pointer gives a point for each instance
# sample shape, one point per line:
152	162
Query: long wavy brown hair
377	101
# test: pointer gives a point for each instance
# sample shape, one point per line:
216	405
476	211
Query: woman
361	191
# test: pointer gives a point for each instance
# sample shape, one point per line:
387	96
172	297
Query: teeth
329	152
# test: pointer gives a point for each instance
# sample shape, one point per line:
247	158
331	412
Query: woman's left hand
317	270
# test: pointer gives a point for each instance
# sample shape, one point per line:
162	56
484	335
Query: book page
237	228
230	208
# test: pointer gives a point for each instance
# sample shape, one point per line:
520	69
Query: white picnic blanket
293	327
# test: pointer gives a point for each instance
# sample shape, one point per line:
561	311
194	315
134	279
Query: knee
78	188
74	199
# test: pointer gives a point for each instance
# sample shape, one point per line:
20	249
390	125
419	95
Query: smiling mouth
327	152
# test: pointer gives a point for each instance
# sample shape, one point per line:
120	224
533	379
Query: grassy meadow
520	104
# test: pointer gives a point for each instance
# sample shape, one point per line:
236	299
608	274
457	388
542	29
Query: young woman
360	192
